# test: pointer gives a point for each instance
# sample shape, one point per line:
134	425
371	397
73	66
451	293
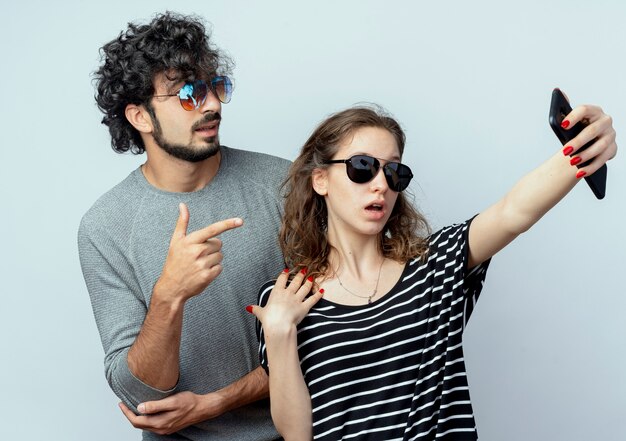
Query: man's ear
319	178
139	118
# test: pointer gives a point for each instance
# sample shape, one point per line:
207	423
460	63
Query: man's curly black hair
173	44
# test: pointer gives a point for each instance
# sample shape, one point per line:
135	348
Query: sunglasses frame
387	171
210	87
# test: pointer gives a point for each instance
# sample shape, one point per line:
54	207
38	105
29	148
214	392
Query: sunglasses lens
193	95
362	168
398	176
223	88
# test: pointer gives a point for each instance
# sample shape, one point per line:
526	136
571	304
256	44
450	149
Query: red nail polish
565	124
568	150
310	279
286	270
575	160
322	291
580	174
303	270
249	309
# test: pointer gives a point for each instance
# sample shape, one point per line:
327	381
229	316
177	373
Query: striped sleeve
449	248
264	294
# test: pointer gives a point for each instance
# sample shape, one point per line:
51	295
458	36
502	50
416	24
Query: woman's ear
319	178
139	118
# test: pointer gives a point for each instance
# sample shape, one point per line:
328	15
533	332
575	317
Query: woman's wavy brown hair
303	235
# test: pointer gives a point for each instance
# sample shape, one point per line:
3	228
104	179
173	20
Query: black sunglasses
363	168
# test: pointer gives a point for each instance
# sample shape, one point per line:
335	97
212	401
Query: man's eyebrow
173	82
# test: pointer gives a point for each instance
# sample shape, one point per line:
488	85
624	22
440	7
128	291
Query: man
168	295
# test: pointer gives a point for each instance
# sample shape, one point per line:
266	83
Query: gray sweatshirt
123	242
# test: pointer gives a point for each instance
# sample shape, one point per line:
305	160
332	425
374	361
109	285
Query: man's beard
186	152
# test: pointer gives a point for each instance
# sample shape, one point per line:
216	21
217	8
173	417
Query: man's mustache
212	116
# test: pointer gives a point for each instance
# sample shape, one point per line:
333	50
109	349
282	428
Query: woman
375	351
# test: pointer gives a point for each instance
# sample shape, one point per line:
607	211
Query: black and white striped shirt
394	369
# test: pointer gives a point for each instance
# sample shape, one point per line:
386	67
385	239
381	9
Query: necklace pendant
369	300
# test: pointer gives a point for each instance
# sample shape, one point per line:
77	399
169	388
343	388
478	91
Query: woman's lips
375	211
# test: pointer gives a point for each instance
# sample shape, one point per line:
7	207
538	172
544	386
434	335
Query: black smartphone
559	109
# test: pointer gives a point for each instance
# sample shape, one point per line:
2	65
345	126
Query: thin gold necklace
371	296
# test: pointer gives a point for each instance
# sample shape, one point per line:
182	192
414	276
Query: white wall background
470	81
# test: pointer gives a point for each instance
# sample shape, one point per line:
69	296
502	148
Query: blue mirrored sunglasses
193	93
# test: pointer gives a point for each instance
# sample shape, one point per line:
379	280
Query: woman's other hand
600	128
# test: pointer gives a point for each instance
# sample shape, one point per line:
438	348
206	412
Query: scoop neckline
394	288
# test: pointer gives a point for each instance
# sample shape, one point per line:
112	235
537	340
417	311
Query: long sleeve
119	309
